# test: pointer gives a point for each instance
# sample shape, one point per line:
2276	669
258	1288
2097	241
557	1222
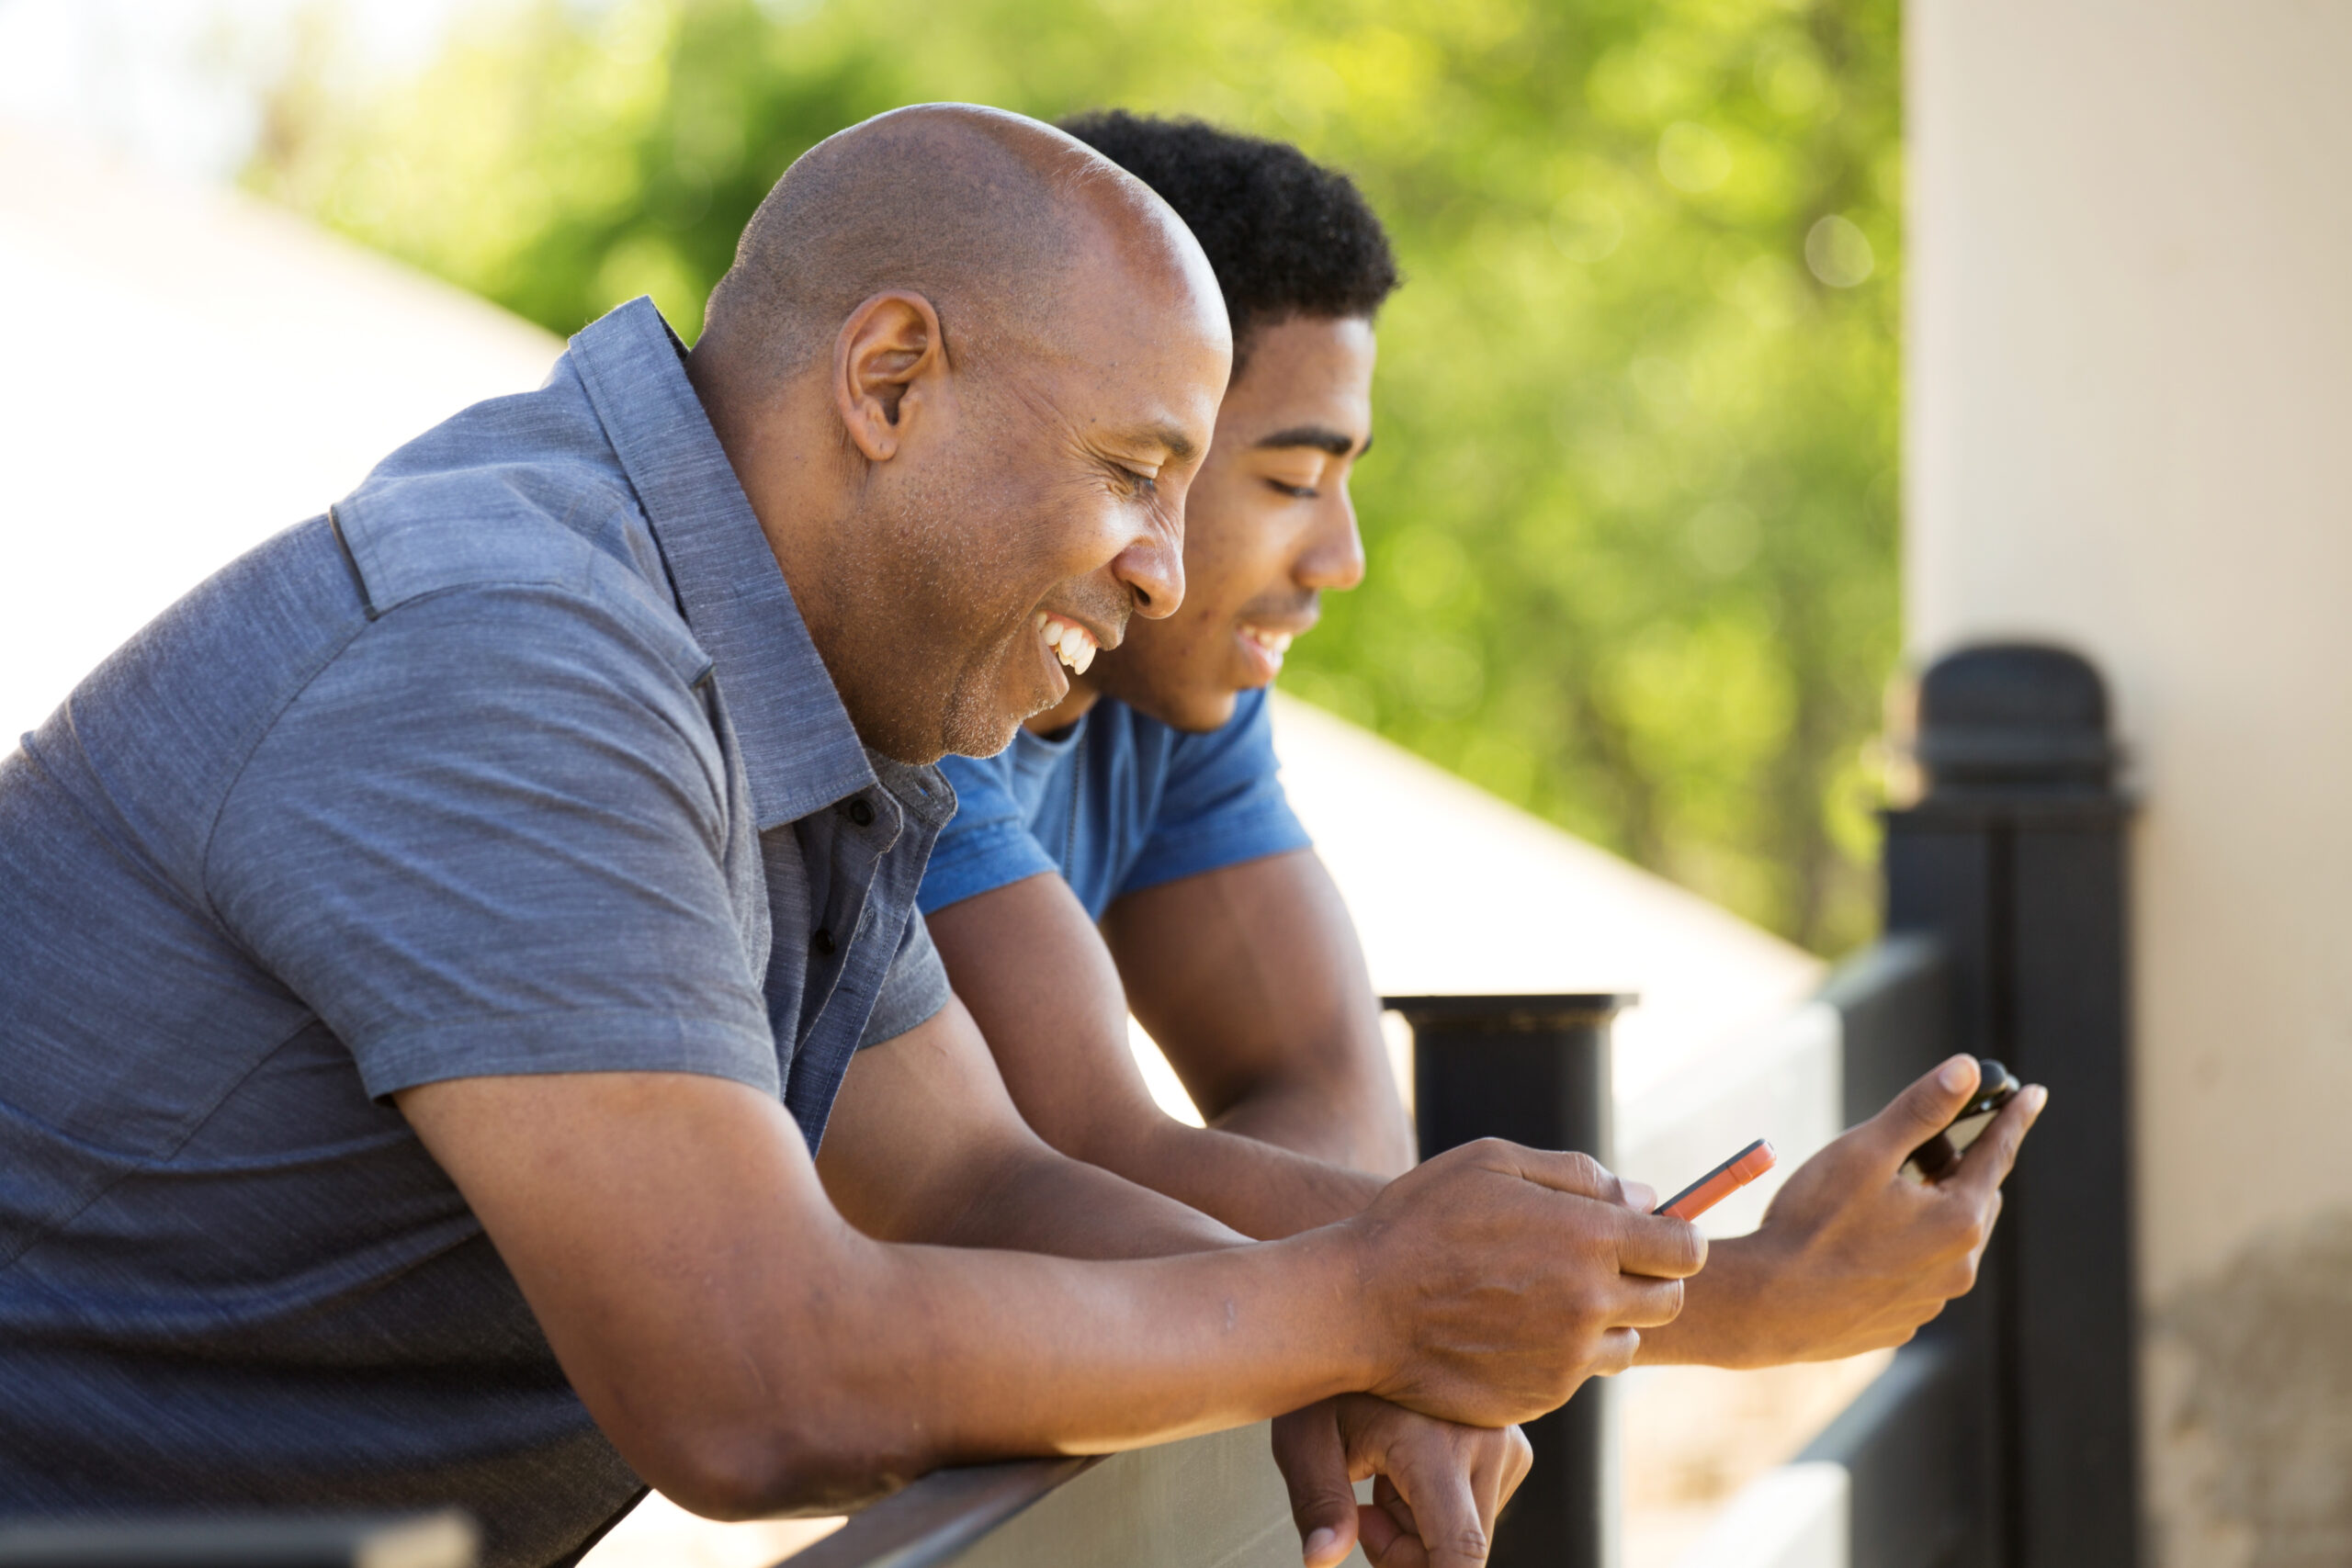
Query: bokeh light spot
1839	252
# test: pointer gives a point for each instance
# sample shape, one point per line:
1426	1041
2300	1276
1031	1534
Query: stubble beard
930	691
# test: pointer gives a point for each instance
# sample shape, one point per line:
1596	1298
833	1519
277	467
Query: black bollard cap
2014	718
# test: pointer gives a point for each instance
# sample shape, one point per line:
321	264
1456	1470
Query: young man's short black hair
1287	236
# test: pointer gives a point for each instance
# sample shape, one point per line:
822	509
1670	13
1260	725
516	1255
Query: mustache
1107	609
1304	605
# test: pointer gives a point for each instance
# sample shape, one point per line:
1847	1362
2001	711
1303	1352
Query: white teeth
1073	645
1275	643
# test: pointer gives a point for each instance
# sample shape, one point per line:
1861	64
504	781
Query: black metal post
2013	859
1535	1070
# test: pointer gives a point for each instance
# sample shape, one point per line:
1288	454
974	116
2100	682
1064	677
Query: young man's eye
1297	492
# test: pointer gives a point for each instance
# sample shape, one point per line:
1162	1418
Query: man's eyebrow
1179	446
1322	437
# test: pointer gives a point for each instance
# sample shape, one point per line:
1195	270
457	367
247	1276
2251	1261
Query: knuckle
1470	1542
1682	1250
1614	1348
1324	1501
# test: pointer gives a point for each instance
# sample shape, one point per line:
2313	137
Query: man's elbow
773	1469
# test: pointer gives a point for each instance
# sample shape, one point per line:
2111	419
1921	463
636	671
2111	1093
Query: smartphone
1721	1182
1996	1087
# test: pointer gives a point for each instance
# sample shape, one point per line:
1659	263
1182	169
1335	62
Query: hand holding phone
1996	1087
1721	1182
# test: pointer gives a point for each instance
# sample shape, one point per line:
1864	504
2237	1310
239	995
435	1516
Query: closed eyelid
1291	470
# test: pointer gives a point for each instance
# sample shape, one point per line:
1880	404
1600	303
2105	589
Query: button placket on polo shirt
855	839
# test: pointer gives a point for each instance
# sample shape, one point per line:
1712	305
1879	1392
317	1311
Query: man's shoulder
521	492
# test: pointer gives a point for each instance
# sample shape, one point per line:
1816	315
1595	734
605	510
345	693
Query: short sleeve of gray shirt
487	838
915	988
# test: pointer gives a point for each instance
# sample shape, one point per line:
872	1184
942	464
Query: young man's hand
1853	1256
1511	1275
1436	1491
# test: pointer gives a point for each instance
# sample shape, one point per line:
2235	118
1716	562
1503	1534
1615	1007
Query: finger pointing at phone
1853	1253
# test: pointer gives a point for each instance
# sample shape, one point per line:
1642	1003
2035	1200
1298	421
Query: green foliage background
1631	523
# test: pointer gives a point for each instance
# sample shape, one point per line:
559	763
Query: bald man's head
964	368
984	213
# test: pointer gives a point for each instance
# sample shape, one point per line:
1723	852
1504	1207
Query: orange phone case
1721	1182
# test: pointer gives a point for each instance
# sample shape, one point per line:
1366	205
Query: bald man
436	948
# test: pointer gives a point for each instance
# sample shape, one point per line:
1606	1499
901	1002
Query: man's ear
885	356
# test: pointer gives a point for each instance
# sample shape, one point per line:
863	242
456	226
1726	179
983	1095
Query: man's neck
794	500
1066	712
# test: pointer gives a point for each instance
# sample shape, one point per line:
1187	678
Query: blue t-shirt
520	760
1117	802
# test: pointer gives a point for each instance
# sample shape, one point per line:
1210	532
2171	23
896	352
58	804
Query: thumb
1313	1463
1923	1110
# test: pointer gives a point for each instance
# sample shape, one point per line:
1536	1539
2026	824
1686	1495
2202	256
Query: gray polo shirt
520	760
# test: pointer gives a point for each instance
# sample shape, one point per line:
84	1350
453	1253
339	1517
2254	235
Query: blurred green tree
1631	525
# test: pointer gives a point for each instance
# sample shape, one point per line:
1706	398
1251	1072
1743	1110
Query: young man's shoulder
1126	802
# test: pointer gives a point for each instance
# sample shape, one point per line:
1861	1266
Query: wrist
1375	1344
1726	1313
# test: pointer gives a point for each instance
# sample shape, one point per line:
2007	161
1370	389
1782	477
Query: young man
436	948
1132	849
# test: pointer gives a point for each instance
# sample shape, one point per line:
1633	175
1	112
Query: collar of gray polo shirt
801	752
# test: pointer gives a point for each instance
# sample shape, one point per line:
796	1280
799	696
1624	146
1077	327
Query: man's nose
1334	555
1152	568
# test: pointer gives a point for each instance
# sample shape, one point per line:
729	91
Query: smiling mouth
1072	643
1275	643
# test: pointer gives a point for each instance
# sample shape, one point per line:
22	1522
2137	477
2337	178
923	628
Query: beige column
2130	429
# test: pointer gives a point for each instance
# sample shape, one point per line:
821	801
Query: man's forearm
1356	1126
966	1355
1044	1202
748	1350
1258	1189
925	1146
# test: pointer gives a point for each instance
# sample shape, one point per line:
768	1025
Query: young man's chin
1197	713
1193	706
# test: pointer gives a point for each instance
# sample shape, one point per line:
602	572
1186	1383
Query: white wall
185	371
2130	384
